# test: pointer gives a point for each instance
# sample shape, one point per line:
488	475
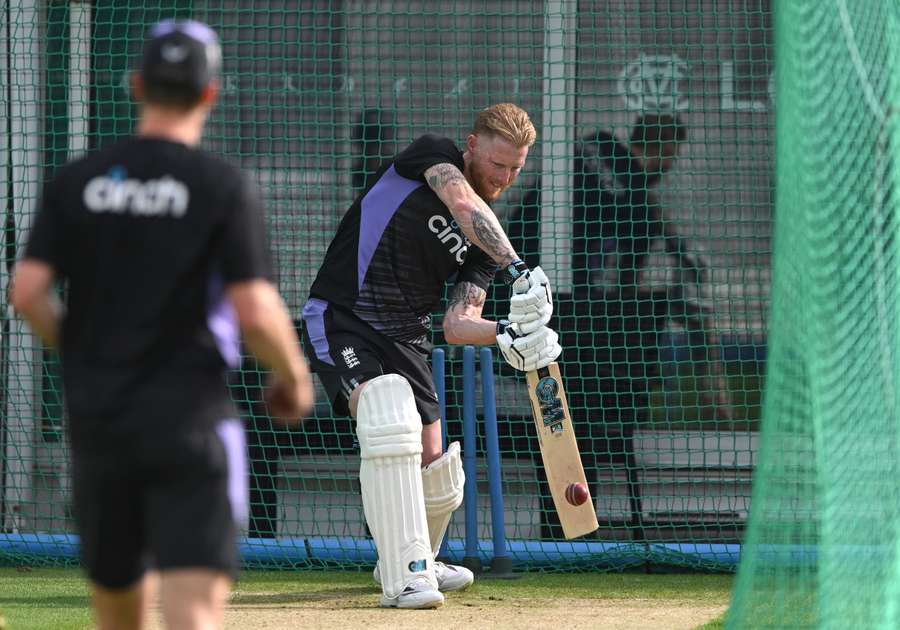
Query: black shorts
345	352
160	501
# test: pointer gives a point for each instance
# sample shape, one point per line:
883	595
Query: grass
679	586
44	599
57	599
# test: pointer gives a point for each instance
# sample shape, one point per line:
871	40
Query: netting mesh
661	282
821	549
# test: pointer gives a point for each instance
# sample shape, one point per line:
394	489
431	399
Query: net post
24	65
79	96
557	154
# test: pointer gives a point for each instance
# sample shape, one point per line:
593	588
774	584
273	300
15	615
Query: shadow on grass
40	600
349	593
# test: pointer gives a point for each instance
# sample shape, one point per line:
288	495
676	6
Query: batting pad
443	482
389	430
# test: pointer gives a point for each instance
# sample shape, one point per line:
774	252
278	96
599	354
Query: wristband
502	325
513	271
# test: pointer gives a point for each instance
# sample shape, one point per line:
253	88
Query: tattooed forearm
490	237
474	216
466	294
463	322
441	175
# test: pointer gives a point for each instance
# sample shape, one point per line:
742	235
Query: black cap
181	57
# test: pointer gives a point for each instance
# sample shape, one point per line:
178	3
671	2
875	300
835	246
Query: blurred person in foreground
161	252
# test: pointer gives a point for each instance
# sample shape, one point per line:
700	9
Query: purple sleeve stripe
231	433
221	318
314	317
377	209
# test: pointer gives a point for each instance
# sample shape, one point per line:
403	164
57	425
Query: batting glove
531	304
527	352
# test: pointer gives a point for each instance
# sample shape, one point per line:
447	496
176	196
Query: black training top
146	234
397	246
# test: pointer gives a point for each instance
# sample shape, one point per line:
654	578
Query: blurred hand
290	402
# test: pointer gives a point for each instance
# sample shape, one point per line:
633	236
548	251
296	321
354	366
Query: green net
661	281
821	548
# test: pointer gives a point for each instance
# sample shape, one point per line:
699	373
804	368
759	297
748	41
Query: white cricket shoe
450	577
418	594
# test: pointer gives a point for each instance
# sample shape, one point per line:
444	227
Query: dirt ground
561	614
349	611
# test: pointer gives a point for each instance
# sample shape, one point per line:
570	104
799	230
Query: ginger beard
481	183
493	165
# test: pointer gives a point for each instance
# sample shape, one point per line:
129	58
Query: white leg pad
443	482
389	430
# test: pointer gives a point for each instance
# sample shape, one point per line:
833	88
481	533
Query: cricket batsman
423	220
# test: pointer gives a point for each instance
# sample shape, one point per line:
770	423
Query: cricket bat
559	451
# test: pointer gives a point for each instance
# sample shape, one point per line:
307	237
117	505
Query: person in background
612	323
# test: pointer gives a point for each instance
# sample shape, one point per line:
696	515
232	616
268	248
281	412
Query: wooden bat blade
559	450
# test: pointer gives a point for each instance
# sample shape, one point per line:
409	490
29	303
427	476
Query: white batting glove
531	304
527	352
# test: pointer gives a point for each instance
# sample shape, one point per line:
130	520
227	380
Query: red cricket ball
577	493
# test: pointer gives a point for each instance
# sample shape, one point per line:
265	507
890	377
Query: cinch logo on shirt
444	231
115	193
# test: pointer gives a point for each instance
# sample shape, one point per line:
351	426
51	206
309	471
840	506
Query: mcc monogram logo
547	391
653	82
